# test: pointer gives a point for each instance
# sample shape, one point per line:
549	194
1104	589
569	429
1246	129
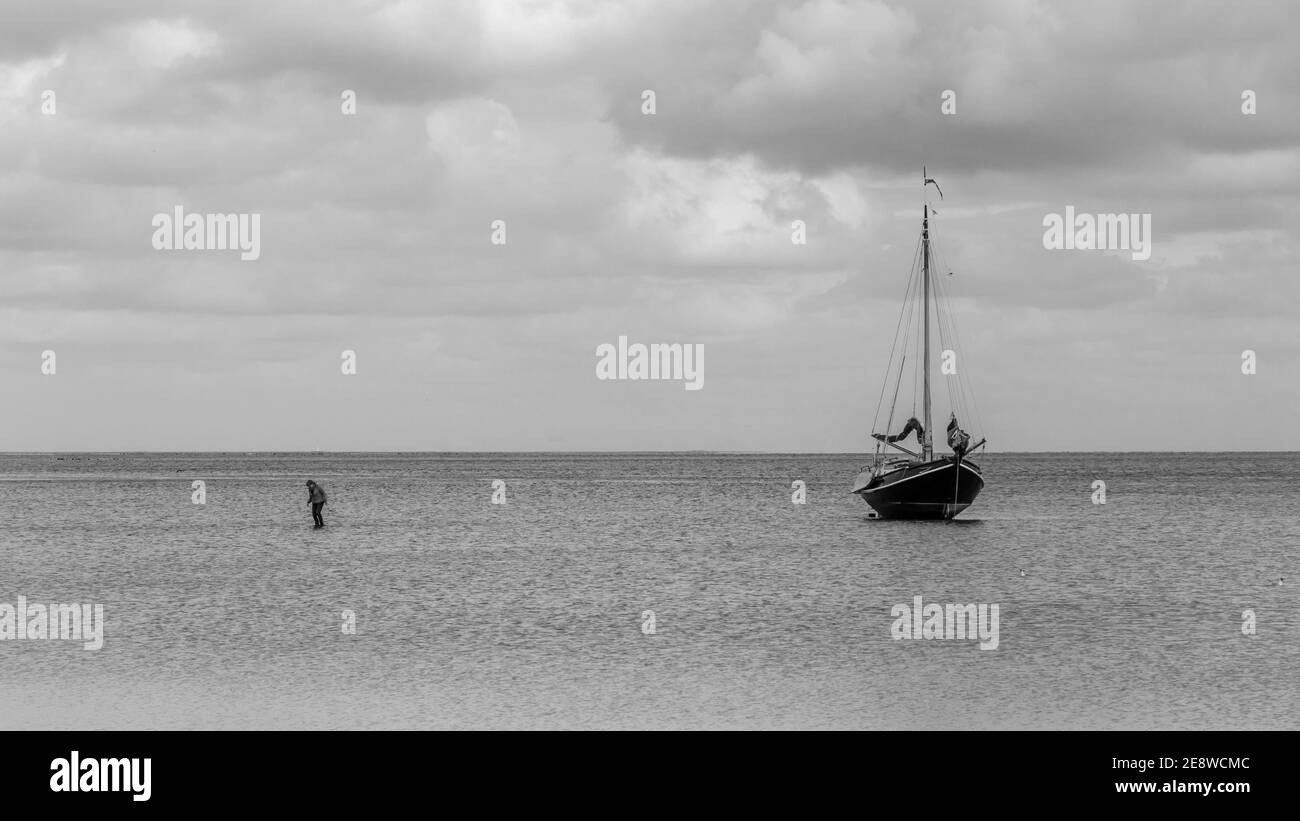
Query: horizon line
619	452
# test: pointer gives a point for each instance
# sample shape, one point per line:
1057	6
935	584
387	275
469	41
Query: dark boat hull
939	489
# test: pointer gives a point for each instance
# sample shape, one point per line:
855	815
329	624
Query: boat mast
927	447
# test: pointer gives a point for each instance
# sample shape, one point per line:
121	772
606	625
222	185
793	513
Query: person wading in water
317	501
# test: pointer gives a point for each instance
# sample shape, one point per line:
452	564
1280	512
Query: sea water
537	613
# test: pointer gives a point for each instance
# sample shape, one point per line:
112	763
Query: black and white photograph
925	369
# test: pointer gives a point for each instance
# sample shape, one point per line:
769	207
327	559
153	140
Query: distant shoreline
274	453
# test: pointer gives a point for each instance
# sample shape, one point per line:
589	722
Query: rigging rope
959	390
905	333
964	388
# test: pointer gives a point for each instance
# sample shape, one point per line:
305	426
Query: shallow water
530	614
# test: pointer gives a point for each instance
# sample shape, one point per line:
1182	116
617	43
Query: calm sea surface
530	614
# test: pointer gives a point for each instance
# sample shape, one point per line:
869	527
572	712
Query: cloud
674	226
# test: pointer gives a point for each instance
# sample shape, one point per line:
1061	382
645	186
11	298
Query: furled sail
912	425
958	439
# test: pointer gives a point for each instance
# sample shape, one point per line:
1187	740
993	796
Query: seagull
1279	581
1023	573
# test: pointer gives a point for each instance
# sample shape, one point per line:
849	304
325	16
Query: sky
377	227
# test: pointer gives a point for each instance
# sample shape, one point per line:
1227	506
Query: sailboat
919	484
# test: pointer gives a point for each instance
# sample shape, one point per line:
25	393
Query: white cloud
160	44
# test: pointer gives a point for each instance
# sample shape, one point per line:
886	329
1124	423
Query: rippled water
529	614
